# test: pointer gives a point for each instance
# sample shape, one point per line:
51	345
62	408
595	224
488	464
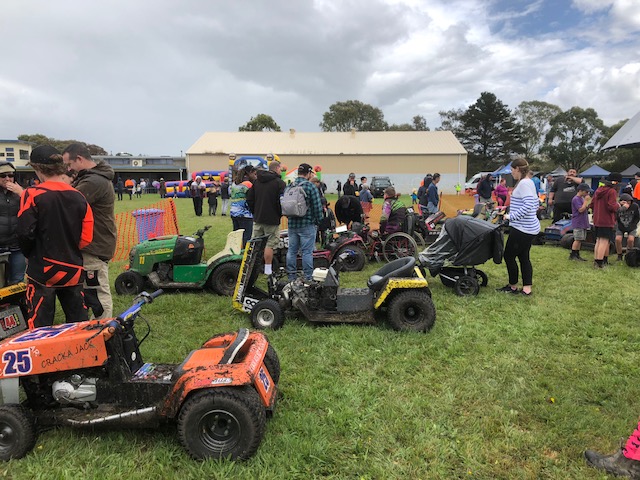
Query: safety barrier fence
153	220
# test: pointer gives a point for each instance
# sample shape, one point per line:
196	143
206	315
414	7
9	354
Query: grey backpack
294	201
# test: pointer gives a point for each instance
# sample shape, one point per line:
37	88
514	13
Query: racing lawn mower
91	374
398	292
175	262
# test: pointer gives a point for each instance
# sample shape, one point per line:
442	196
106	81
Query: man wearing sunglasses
9	205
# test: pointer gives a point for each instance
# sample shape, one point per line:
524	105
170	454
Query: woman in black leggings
523	228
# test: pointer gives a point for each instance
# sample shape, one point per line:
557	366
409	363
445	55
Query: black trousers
559	209
41	303
518	247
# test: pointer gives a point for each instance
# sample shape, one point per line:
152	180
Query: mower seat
232	247
400	267
241	338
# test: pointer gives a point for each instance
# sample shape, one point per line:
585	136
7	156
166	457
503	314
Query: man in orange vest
130	184
636	187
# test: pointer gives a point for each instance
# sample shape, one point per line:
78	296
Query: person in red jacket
605	205
55	223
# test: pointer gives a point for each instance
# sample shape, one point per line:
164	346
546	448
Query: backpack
294	201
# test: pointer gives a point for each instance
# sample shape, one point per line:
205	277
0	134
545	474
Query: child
393	212
580	220
55	222
212	198
414	197
366	200
627	222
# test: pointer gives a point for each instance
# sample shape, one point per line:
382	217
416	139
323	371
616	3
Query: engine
316	296
75	390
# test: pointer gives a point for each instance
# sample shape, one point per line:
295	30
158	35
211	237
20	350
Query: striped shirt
524	206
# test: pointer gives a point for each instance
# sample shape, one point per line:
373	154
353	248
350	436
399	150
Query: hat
626	197
583	187
304	168
6	167
614	177
352	175
43	155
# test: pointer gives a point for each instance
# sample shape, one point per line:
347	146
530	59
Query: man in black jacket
263	200
94	181
9	206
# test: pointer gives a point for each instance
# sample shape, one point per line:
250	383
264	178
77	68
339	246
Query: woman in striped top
523	228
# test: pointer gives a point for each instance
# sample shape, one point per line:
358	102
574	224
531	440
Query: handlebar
138	303
201	232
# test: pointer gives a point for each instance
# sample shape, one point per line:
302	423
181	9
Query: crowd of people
60	233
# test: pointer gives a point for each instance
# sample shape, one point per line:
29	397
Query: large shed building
403	156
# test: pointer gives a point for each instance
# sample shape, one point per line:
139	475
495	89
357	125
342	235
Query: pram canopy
464	241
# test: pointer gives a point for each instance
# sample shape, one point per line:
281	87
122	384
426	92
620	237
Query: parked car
378	185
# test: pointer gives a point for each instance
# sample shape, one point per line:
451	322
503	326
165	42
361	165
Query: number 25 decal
16	362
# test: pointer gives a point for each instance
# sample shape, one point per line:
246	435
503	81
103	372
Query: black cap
614	177
43	155
304	168
584	187
626	197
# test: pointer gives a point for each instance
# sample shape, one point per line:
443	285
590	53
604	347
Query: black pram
463	243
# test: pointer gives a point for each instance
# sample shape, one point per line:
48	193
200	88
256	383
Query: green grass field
503	387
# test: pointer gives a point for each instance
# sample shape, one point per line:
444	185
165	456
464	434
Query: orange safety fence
156	219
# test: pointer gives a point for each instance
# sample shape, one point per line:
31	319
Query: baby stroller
463	243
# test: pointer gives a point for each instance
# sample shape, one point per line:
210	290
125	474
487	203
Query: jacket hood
600	192
266	176
103	169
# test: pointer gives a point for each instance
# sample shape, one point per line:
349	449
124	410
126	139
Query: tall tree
260	123
450	120
344	116
574	137
419	124
40	139
618	159
489	133
534	118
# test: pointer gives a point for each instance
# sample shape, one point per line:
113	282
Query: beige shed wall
344	164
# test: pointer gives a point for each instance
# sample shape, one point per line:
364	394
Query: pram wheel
482	278
466	285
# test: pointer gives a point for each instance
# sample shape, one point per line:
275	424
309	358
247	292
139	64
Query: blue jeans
16	266
304	239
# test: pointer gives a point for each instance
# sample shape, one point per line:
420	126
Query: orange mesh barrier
127	224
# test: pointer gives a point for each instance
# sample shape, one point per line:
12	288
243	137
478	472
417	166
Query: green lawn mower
175	262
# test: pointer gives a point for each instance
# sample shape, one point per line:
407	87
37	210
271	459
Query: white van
473	181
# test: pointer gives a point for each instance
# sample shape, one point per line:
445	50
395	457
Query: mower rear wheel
17	432
129	283
466	285
223	278
412	310
267	313
272	362
356	260
222	423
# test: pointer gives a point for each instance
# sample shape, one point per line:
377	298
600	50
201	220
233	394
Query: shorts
260	229
632	233
604	232
580	234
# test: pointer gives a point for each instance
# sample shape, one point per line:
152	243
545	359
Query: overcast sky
151	76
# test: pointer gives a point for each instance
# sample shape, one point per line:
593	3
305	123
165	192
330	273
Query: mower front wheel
272	362
412	310
222	423
267	313
17	432
223	278
129	283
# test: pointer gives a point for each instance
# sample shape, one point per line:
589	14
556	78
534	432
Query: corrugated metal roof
328	143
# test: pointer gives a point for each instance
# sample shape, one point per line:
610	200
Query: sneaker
522	292
580	259
616	464
507	289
